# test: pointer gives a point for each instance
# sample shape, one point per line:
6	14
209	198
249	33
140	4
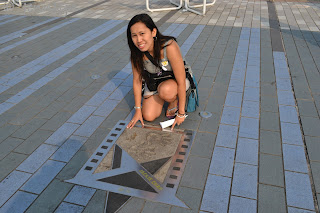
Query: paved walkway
65	82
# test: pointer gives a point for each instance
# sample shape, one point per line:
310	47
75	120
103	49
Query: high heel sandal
176	108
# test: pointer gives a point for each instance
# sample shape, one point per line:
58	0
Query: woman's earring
155	38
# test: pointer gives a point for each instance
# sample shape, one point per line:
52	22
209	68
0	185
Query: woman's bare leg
168	91
152	107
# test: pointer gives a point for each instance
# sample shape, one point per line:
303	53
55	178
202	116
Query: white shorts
148	93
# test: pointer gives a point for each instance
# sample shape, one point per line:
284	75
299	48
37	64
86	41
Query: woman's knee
167	91
150	116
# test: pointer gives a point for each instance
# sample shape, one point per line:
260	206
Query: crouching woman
156	61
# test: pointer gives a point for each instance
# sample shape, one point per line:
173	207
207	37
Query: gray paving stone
230	115
40	180
69	148
239	204
298	190
311	126
244	181
82	114
294	158
62	134
106	108
195	172
295	210
284	84
33	142
120	93
249	128
84	83
269	103
155	207
68	207
247	151
98	98
133	205
315	167
210	124
70	94
95	140
56	121
233	99
216	194
114	117
268	89
11	184
191	197
97	203
203	94
112	85
313	145
76	103
251	94
211	71
37	158
219	89
288	114
253	74
250	109
215	103
271	170
27	115
206	82
203	144
235	85
7	130
271	199
89	126
25	131
238	74
223	77
19	202
307	108
8	145
127	103
267	72
222	161
286	98
269	121
227	136
74	165
270	142
80	195
9	163
92	89
291	133
317	101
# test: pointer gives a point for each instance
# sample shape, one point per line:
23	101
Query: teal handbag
192	98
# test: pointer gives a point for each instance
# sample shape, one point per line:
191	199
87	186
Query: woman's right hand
137	117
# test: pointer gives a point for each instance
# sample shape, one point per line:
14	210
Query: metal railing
187	6
163	9
18	3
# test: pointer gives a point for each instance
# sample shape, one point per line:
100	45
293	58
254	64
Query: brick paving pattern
66	80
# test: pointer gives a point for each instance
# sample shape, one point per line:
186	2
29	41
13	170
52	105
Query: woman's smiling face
142	37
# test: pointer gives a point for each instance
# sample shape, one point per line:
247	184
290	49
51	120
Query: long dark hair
136	55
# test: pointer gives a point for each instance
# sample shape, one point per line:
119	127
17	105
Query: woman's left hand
178	120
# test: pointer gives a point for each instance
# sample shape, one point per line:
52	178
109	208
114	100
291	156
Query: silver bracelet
137	107
184	116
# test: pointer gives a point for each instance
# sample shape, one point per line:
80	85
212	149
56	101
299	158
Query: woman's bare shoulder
173	48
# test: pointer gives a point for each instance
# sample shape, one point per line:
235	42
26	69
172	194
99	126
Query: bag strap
151	59
188	75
